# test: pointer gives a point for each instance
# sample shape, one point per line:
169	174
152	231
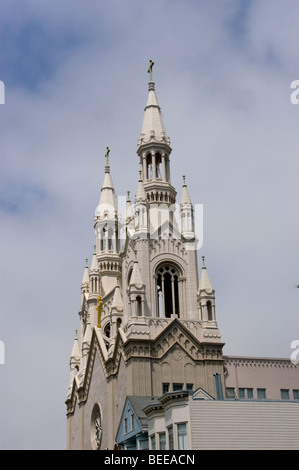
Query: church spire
204	283
153	129
154	149
107	200
85	280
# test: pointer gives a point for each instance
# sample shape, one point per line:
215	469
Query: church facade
147	368
147	316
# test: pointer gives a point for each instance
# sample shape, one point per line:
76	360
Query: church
148	326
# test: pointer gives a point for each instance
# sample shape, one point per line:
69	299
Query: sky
75	77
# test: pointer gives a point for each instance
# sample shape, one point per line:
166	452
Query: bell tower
154	151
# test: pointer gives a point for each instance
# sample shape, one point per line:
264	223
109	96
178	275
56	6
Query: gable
201	394
129	425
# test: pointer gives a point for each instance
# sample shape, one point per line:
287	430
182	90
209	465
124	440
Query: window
132	422
182	436
245	393
143	444
189	387
261	393
285	395
210	312
230	392
162	441
165	388
177	387
126	425
138	306
107	330
153	442
167	291
170	438
296	394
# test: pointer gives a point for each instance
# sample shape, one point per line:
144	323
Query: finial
150	70
76	337
128	194
107	156
184	179
140	177
94	249
135	251
86	261
203	261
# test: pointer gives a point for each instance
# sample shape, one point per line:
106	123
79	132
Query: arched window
158	165
107	330
209	309
167	279
149	169
138	306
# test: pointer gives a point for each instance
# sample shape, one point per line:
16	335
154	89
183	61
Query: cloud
75	81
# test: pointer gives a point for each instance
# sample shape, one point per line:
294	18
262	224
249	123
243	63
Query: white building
147	316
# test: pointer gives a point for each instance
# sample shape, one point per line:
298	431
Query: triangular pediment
176	334
201	394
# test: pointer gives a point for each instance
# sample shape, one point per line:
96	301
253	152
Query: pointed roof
117	302
76	350
204	283
140	194
107	199
129	210
85	280
185	199
153	128
94	268
136	279
87	334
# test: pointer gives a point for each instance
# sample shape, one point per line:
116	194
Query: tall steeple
106	228
154	149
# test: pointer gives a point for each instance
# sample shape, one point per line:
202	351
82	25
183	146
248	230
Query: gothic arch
167	290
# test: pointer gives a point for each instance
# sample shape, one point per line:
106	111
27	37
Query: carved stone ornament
96	430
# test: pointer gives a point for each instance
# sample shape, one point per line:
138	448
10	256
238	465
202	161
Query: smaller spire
75	355
140	194
117	302
107	200
204	283
185	199
136	279
94	268
85	280
87	334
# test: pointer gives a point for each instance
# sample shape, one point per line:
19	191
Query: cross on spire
150	70
107	156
